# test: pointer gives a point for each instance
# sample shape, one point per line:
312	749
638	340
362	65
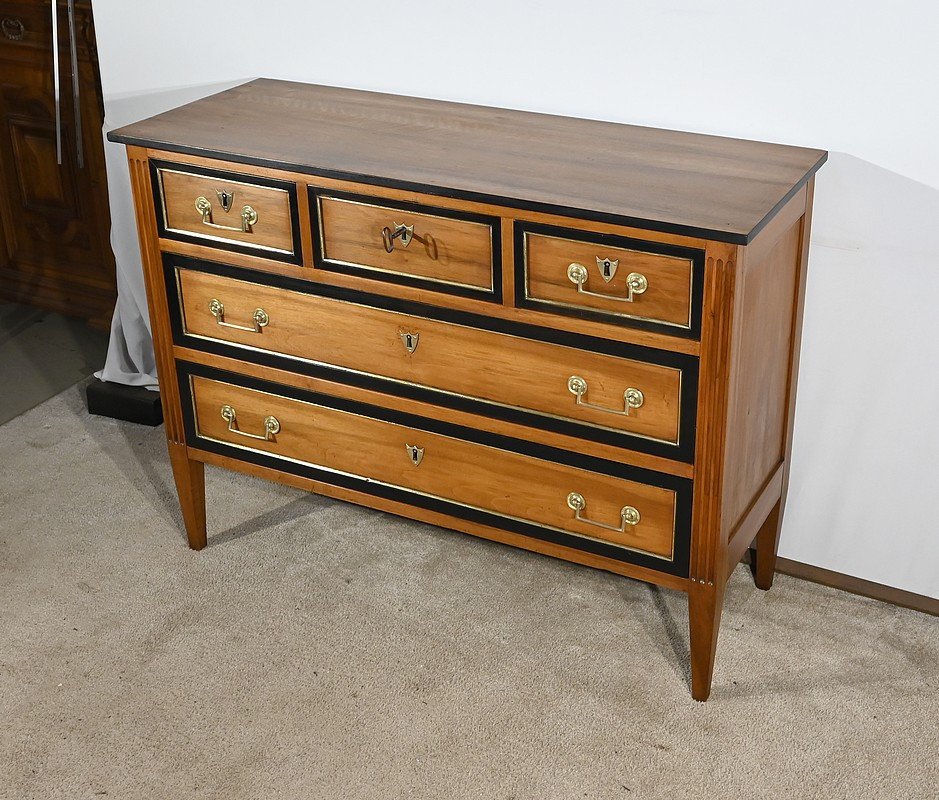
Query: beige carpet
319	650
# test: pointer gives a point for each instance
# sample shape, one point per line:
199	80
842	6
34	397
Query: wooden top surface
709	186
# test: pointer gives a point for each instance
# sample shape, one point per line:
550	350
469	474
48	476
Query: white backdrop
856	78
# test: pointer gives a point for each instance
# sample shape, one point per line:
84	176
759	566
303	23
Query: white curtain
130	357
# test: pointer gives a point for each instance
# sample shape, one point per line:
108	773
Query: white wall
856	78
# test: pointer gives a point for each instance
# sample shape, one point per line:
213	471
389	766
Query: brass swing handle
628	515
249	217
403	232
260	317
636	284
632	398
271	425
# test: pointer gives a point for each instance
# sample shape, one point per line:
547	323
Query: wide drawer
639	402
628	514
611	278
227	210
409	243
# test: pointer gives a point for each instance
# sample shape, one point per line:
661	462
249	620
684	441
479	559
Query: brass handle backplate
260	317
636	282
628	514
632	398
403	232
271	425
249	217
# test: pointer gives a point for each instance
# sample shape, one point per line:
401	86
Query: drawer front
637	402
628	514
408	243
610	278
227	210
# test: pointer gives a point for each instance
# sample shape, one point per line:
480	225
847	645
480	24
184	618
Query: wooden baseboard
859	586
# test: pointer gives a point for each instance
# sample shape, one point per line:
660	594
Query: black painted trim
296	257
681	486
688	365
785	199
495	243
696	256
477	197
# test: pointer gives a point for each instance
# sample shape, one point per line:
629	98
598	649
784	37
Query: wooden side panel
759	379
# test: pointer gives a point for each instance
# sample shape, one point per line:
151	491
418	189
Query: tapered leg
190	486
767	541
704	615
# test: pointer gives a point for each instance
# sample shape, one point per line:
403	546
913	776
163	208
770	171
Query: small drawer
407	243
609	278
565	388
359	442
227	210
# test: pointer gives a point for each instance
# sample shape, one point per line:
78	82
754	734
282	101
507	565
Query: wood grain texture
717	330
759	373
156	291
708	546
422	295
697	193
179	191
667	298
704	185
752	523
495	367
187	474
55	251
445	521
452	469
425	409
768	543
450	251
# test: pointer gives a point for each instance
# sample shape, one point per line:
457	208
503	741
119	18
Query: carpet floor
319	650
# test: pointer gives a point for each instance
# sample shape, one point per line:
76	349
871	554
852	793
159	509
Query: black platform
130	403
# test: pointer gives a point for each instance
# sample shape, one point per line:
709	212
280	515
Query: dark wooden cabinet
54	218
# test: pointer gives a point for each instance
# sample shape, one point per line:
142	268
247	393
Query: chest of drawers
573	337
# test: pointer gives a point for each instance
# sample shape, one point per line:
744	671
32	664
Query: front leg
190	486
705	602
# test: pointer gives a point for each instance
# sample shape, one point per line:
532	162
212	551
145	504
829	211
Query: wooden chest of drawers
574	337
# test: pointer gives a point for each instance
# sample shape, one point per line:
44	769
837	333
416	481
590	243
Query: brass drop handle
632	398
271	425
628	514
249	217
403	232
260	317
636	282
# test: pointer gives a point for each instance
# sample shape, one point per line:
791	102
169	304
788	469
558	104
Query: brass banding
334	471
